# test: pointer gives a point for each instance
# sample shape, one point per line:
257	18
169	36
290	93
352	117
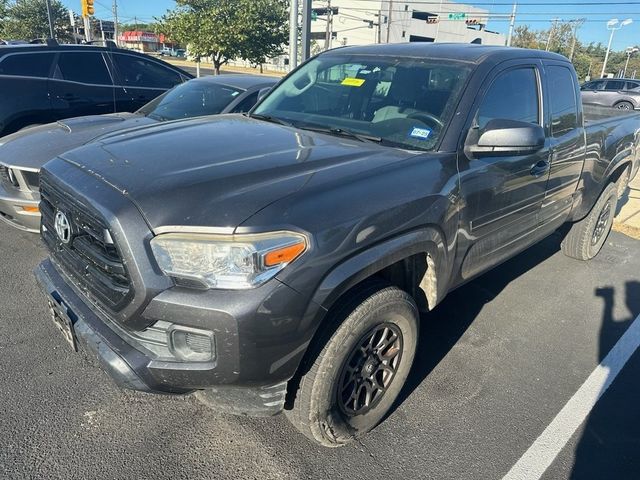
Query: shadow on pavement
441	329
610	444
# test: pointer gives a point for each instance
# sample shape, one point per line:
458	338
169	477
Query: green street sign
457	16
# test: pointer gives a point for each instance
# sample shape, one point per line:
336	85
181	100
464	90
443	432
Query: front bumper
13	213
221	383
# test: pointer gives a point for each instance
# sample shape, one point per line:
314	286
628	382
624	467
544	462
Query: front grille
90	258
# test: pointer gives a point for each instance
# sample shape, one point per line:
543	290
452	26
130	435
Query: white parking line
548	445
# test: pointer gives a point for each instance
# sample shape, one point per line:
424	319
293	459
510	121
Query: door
592	92
81	85
567	143
502	193
141	80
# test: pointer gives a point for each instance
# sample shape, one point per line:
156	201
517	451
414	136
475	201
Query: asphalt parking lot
499	360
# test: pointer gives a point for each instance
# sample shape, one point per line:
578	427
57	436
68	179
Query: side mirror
509	137
263	93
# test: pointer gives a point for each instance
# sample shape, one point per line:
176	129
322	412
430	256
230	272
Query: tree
525	37
28	19
266	30
227	29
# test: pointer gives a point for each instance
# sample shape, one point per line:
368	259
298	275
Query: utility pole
293	35
551	32
51	33
512	24
115	21
379	33
576	24
389	20
328	33
306	30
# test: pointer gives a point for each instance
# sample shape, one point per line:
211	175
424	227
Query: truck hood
218	171
33	147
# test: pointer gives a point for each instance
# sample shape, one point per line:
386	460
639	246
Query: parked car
612	92
44	83
23	153
279	261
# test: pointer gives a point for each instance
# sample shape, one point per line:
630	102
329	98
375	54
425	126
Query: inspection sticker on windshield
353	82
420	133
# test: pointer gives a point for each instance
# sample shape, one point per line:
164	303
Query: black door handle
540	168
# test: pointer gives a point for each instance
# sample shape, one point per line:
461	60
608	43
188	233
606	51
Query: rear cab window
37	65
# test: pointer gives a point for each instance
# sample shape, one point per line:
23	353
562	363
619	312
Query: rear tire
370	342
624	105
586	237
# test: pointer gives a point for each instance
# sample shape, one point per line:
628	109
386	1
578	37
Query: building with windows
362	22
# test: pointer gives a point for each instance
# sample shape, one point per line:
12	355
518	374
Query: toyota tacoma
280	260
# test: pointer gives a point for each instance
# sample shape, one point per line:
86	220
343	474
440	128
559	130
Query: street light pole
51	34
630	51
613	25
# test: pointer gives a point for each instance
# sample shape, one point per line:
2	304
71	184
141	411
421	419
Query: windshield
403	102
191	99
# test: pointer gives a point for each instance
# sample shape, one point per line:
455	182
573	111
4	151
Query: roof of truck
452	51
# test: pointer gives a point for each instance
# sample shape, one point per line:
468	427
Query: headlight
226	261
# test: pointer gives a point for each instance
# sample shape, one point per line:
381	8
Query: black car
23	153
44	83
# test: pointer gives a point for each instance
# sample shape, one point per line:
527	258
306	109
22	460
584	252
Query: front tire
586	237
358	367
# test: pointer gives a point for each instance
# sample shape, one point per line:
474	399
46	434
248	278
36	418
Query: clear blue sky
537	16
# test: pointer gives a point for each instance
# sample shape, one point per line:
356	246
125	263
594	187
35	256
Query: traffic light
88	8
472	21
433	19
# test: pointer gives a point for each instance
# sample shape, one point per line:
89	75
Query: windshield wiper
343	133
269	118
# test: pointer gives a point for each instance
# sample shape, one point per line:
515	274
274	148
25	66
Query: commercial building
142	41
362	22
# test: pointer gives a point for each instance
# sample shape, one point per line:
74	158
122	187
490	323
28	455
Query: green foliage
140	26
27	20
587	59
228	29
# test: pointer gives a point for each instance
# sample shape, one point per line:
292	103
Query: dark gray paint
363	206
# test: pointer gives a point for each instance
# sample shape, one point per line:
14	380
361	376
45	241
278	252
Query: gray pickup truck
280	260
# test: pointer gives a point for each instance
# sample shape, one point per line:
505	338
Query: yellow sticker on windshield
353	82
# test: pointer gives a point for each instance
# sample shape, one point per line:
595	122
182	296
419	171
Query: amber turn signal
31	209
284	255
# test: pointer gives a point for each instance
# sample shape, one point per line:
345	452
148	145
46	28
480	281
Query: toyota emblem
63	227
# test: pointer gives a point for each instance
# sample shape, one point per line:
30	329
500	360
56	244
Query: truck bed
594	114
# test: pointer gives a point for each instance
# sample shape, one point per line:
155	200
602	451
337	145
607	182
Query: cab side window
513	95
562	100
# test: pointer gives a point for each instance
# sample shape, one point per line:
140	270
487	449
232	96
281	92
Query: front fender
429	240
